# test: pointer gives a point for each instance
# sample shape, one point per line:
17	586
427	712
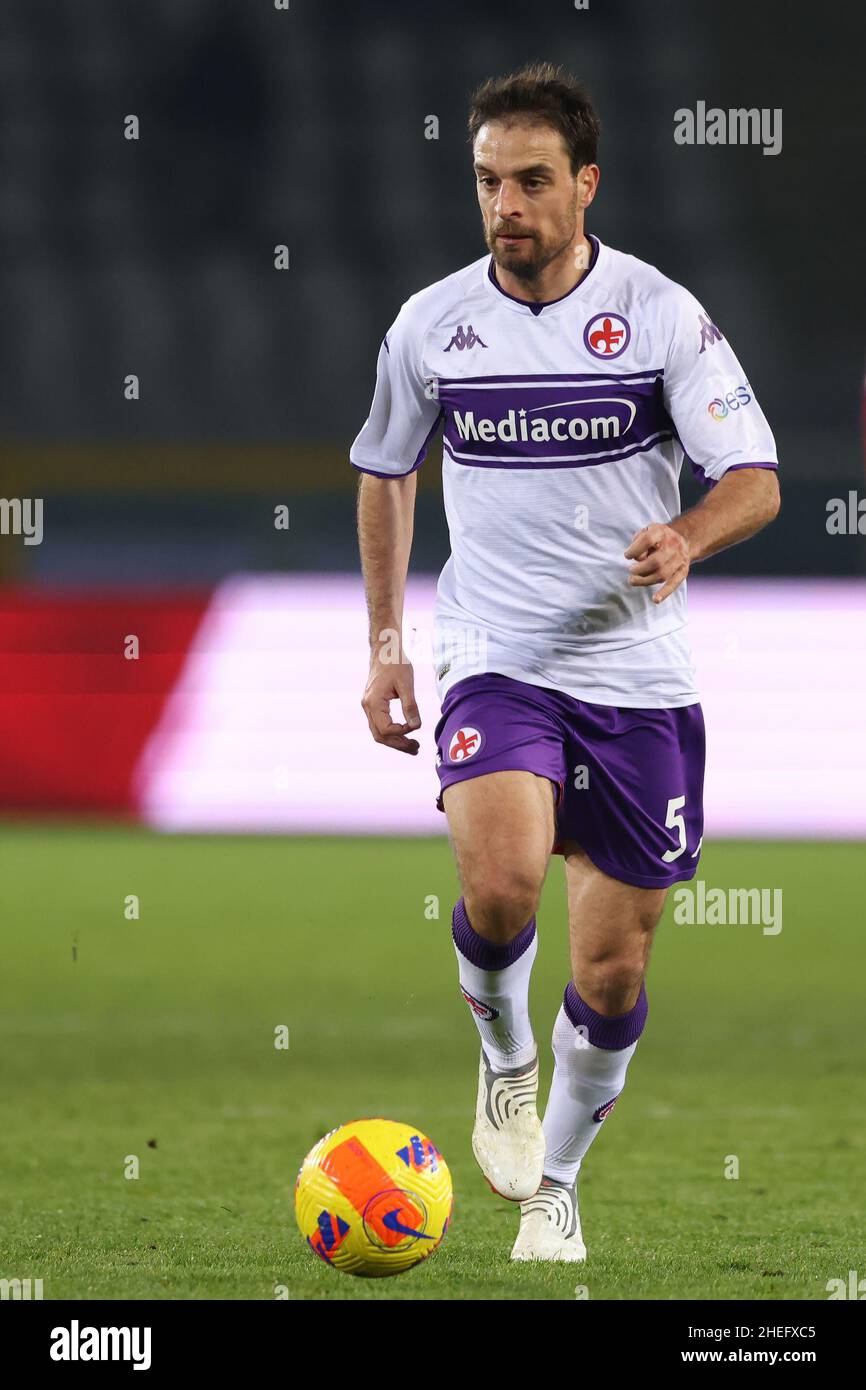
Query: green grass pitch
155	1038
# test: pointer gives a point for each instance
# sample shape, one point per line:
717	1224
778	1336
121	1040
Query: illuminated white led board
264	730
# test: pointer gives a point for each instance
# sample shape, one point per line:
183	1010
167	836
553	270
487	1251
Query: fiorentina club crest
465	743
604	1110
607	335
485	1011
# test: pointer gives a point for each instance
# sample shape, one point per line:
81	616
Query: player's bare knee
500	908
610	986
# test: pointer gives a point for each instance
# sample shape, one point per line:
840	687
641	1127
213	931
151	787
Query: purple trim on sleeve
711	482
734	466
374	472
485	954
701	475
611	1033
422	454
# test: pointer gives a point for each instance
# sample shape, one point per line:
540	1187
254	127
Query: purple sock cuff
613	1034
485	954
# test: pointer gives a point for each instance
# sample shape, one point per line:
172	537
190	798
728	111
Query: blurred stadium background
305	127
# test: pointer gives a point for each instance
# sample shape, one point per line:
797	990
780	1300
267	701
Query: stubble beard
528	268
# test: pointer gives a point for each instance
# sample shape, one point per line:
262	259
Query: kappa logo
465	338
465	744
607	335
604	1110
485	1011
709	333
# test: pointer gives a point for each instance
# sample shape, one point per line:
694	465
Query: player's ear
587	183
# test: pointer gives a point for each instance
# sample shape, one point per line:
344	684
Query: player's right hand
389	681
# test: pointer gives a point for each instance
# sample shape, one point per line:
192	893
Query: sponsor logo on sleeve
722	406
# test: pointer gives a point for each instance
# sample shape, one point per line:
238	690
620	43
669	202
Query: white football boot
508	1140
550	1225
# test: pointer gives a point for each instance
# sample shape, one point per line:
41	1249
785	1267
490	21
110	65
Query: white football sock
587	1079
494	981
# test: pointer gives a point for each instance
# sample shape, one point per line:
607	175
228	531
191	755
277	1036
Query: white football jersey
565	426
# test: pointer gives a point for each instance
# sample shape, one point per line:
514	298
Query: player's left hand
662	557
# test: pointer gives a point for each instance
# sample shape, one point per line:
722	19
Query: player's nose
508	204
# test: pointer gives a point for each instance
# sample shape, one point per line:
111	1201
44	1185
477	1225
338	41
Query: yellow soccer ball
373	1197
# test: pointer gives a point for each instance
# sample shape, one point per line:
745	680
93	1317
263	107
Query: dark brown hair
546	92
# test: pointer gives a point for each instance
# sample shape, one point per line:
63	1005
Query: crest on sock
604	1110
483	1010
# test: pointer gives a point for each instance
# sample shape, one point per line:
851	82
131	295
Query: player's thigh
501	826
611	928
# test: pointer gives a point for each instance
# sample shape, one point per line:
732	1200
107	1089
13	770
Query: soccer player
570	381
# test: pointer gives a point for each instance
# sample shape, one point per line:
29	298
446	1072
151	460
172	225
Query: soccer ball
373	1197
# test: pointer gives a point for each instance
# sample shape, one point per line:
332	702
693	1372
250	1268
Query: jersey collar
534	308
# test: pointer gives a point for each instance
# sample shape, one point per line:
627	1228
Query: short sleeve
710	400
403	418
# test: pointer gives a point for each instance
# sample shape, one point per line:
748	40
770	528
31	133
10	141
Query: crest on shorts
464	743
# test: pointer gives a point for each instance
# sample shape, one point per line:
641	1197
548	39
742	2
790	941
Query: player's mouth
511	240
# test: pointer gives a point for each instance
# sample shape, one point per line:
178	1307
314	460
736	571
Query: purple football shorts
628	782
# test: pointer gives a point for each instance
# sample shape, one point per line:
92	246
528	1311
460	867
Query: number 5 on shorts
674	821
